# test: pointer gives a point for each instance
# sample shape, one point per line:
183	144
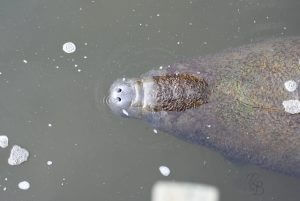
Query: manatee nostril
119	99
119	90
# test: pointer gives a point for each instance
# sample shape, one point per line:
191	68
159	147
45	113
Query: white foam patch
290	85
18	155
164	170
24	185
69	47
3	141
291	106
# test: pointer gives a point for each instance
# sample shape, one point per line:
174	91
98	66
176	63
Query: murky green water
51	102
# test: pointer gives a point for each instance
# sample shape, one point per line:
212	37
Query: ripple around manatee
129	60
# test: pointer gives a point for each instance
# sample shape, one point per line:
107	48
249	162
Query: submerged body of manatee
242	102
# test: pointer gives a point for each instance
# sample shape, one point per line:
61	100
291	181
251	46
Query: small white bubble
57	67
164	170
75	65
125	112
5	178
49	163
161	67
49	125
155	131
79	70
4	189
178	43
69	47
3	141
24	185
0	73
25	61
85	57
157	14
290	85
85	44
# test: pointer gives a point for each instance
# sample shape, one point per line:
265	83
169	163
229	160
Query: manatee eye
119	99
119	90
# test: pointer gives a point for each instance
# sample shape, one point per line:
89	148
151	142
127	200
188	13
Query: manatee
242	102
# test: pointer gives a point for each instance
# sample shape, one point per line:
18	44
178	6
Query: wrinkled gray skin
244	116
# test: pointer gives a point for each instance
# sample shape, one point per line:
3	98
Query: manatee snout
121	95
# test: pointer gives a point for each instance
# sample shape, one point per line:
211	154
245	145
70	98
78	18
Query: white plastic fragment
182	191
18	155
3	141
69	47
291	106
290	85
24	185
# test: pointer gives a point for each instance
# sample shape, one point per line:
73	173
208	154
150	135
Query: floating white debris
49	125
49	163
290	85
125	112
155	131
69	47
3	141
291	106
182	191
24	185
18	155
164	170
25	61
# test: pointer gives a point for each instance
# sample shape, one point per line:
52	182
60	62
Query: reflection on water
52	102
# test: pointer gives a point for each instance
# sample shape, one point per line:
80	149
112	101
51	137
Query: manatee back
244	117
